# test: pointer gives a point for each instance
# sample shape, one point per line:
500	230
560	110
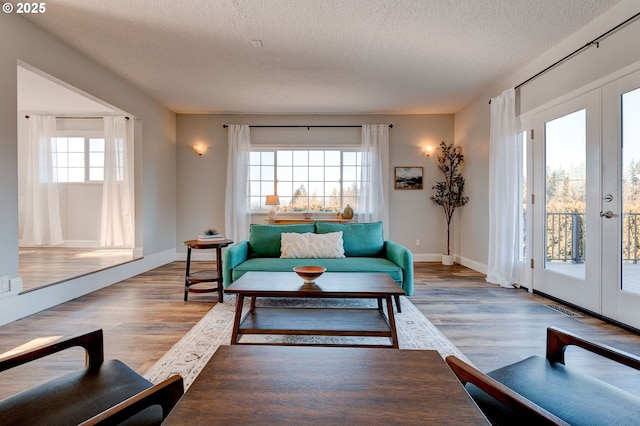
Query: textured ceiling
317	56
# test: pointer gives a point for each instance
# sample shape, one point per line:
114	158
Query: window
78	159
305	180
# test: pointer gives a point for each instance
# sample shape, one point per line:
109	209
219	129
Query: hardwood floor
144	316
44	266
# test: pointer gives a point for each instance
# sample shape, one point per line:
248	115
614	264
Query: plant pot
447	259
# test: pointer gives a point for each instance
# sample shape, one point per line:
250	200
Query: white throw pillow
310	245
294	245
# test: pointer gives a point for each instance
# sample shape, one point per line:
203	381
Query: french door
567	240
586	237
621	178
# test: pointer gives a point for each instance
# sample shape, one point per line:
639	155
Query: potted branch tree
449	192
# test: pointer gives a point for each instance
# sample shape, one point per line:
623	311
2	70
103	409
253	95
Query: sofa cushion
575	397
349	264
359	239
308	245
264	240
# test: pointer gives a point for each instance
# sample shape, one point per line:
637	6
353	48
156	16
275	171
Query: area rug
189	356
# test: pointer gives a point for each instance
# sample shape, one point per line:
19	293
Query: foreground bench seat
105	392
540	390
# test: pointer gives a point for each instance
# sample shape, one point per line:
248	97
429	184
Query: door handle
608	214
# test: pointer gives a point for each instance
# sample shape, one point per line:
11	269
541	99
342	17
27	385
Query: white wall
155	156
201	179
472	122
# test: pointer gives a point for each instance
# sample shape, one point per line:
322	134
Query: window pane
63	176
254	172
76	160
349	173
565	149
96	144
255	203
76	174
96	173
316	173
266	188
96	159
254	188
268	158
316	158
61	144
268	173
285	158
332	158
300	173
349	158
332	173
630	190
254	158
284	173
76	144
285	189
301	158
61	160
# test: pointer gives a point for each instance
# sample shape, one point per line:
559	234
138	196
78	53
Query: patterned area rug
189	356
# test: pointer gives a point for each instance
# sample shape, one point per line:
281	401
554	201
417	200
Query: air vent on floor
563	311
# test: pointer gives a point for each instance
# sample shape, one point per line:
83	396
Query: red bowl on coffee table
309	273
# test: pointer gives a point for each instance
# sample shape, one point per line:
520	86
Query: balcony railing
566	237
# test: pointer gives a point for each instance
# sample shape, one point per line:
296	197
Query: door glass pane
631	191
565	159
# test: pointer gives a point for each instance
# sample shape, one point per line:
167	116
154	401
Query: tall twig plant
450	192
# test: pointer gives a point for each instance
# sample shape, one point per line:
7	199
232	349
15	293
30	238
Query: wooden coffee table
370	322
271	385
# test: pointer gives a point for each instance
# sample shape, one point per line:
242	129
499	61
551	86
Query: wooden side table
204	276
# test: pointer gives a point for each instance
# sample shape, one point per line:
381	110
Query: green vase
347	213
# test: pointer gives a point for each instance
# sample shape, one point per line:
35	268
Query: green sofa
364	246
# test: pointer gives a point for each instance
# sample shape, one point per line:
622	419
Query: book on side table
211	238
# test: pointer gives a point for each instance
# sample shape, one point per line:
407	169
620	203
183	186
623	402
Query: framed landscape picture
408	178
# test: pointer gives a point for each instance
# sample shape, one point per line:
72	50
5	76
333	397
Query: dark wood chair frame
557	342
165	394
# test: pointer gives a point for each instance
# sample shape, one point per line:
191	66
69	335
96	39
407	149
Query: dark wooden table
205	276
370	322
297	385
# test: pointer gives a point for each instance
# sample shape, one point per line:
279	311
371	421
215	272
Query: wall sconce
199	149
427	150
274	202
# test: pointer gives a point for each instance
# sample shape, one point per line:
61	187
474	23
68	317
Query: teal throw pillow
359	239
264	240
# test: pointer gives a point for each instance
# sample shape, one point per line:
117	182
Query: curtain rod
80	118
595	41
307	127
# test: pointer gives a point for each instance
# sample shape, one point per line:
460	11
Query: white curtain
504	192
41	203
116	228
237	211
372	201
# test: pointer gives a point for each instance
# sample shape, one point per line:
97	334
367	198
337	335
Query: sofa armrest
232	257
468	374
401	256
91	341
166	394
558	340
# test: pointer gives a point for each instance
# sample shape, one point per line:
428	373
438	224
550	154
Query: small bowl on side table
309	274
